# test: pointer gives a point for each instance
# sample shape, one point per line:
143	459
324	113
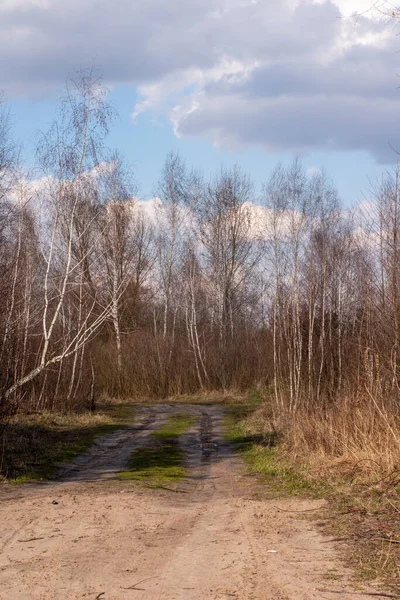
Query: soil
209	537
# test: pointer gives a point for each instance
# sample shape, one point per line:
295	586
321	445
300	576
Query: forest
283	293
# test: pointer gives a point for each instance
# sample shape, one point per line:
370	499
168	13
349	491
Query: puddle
208	448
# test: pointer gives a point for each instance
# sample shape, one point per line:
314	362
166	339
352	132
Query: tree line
219	289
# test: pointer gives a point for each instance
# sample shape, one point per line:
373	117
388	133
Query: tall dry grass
356	439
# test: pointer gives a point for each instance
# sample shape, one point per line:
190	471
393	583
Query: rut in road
210	538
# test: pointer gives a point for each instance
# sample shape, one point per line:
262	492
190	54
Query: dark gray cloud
299	123
289	75
142	40
133	40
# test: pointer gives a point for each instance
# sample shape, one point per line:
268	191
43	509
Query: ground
94	533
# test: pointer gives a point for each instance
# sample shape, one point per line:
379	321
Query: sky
254	82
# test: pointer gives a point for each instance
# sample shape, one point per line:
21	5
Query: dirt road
89	535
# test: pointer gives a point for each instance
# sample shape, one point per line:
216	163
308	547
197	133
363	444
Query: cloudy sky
223	81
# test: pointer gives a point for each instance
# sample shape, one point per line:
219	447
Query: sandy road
91	536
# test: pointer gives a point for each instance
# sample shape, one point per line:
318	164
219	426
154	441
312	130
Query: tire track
109	454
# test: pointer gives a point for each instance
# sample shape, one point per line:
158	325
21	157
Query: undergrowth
263	455
329	456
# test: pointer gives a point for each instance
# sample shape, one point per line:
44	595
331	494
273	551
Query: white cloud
313	171
150	208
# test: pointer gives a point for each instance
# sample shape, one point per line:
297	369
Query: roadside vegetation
163	462
36	444
363	492
264	456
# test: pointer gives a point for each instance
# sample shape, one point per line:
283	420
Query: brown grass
356	440
204	397
354	448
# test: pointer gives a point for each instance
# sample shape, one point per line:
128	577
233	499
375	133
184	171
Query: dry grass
204	397
57	419
211	397
369	524
355	440
353	449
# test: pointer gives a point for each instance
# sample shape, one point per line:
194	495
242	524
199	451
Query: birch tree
228	250
118	242
71	149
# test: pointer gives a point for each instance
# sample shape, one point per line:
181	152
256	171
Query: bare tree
67	154
227	249
120	217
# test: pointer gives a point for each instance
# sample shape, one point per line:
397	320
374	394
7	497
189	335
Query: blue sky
221	81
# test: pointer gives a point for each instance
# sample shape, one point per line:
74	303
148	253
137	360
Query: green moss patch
163	462
175	426
156	466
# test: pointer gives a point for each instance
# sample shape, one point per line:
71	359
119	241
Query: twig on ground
394	506
168	489
376	594
133	589
297	511
336	539
134	586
